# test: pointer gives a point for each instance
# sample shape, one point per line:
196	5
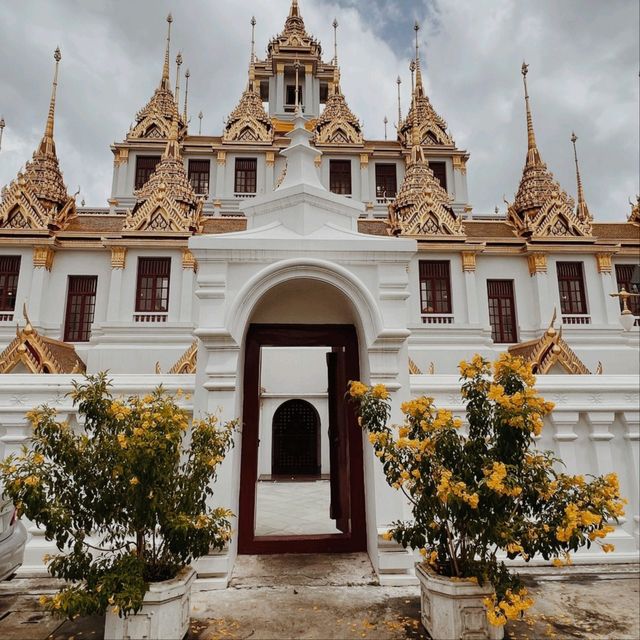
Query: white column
42	265
565	437
220	176
279	89
269	179
186	300
631	421
470	286
309	106
365	193
543	310
611	306
118	259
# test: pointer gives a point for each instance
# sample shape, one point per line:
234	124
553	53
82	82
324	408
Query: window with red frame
571	288
340	176
435	286
502	311
145	166
81	305
152	294
9	273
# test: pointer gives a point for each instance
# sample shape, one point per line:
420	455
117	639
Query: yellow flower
134	481
32	481
608	547
386	535
122	440
38	458
380	392
357	389
43	600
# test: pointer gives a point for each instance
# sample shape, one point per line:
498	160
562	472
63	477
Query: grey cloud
583	76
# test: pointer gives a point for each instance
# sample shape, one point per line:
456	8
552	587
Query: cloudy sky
583	76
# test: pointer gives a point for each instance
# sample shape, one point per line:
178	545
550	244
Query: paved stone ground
337	597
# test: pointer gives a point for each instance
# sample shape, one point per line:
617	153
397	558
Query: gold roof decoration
294	36
249	122
414	369
432	127
153	121
188	360
337	124
29	352
167	201
37	199
548	350
634	216
541	207
422	207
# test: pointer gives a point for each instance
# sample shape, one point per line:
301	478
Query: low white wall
595	429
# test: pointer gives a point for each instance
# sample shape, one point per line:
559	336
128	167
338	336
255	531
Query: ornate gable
188	361
548	351
422	207
294	36
337	124
37	200
167	201
634	216
541	207
432	128
249	122
153	121
29	352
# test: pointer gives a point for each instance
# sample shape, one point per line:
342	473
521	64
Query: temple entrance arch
316	319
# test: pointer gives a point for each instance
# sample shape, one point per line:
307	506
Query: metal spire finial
335	41
253	39
399	82
296	66
178	64
187	75
412	68
533	155
386	122
416	28
164	82
1	130
200	116
582	210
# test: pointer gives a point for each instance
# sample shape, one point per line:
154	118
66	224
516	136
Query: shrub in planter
125	500
475	495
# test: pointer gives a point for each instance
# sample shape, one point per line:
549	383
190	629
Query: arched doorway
295	448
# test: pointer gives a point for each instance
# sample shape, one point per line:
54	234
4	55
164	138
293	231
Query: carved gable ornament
248	122
549	351
29	352
337	124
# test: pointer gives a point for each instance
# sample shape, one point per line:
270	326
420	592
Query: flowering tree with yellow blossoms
124	500
491	490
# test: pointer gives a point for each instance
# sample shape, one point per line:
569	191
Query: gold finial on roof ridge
294	10
533	155
419	87
178	65
164	80
582	210
335	41
253	38
399	82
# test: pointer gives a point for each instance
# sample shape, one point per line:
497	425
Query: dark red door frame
293	335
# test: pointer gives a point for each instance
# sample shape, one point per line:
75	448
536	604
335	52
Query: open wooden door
338	439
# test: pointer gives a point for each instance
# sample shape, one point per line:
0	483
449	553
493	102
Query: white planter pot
453	609
164	614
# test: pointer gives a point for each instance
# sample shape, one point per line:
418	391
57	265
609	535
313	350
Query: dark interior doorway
296	440
345	441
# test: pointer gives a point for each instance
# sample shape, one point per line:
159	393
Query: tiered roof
541	207
37	200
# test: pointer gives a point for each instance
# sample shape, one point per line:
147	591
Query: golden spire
164	82
47	145
1	130
533	155
399	82
294	11
335	41
253	39
582	210
185	117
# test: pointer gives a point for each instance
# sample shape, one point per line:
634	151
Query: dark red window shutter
435	286
571	288
386	180
502	311
246	175
440	172
340	176
199	176
9	274
145	166
152	295
81	305
624	273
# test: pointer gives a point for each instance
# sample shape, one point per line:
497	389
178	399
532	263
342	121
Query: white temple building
261	269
